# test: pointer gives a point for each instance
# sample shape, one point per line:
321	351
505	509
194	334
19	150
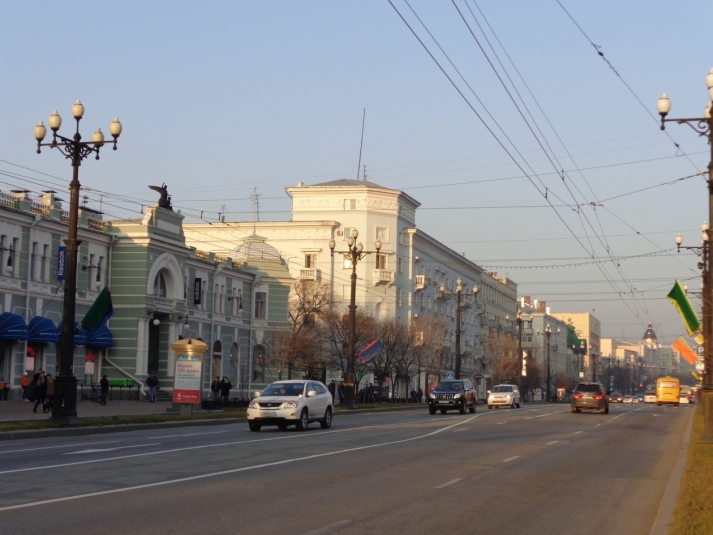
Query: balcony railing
95	223
310	274
383	276
421	282
39	208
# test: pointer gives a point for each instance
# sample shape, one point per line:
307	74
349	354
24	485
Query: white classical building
402	281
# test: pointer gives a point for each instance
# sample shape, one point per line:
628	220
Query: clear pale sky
218	98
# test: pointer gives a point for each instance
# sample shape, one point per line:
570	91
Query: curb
664	517
105	429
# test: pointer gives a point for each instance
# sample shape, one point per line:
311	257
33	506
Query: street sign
699	350
187	385
700	366
581	375
450	376
61	263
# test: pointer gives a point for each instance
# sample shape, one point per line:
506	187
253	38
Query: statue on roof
165	200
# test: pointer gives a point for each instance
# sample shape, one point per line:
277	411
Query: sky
219	98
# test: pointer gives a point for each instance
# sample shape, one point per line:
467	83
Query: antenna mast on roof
361	145
256	208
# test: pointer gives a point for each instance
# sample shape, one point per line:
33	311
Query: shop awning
101	337
42	331
12	327
80	337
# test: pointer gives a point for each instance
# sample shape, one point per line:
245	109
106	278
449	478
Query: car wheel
578	410
303	422
602	411
431	410
472	409
461	409
282	427
497	406
574	410
512	405
658	404
607	410
517	405
254	426
443	411
326	422
490	407
675	404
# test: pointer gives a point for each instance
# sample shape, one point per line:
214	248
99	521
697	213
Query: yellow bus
668	389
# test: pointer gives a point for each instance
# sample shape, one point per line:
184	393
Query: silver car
297	403
505	396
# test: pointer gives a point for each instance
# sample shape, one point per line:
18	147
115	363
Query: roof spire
256	208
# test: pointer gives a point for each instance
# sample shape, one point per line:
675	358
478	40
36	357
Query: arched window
217	358
159	285
258	364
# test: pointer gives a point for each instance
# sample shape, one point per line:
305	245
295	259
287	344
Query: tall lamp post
521	362
548	334
354	253
64	409
704	127
458	296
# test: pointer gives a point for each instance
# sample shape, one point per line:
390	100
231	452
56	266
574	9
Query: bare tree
429	342
535	376
393	335
501	358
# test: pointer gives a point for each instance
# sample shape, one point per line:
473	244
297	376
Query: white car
649	397
628	399
504	395
297	403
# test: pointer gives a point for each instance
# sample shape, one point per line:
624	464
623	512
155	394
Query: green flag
680	300
99	313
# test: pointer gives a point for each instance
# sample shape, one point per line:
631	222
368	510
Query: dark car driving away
590	396
452	395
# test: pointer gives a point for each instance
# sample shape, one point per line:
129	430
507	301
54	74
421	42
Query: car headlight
290	404
458	395
252	405
508	396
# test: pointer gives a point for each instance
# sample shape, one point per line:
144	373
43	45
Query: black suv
457	394
591	396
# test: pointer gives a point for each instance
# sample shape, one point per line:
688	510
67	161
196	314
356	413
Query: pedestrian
412	396
40	391
33	383
419	394
25	384
152	383
49	398
225	386
332	386
215	387
104	389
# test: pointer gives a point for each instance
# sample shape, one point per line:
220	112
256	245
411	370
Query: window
400	265
310	261
89	267
348	232
260	305
382	234
45	270
398	296
346	292
33	261
159	285
380	261
98	278
350	204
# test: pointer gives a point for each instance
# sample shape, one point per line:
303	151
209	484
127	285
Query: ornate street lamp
548	334
64	409
458	296
354	253
521	361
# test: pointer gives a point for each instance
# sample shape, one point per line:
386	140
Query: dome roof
254	246
649	335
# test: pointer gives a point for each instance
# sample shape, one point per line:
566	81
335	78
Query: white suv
296	403
504	395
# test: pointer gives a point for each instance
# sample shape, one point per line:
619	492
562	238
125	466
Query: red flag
687	353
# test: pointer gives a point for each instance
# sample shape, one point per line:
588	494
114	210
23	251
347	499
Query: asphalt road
536	470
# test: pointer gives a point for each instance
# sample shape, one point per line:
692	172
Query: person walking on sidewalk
40	391
49	399
104	389
225	387
25	384
152	383
215	387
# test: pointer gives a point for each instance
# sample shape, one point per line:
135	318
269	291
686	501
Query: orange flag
687	353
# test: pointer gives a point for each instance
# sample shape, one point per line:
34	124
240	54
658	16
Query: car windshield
502	389
591	387
449	386
284	389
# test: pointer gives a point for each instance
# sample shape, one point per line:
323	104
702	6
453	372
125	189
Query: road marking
553	442
500	423
654	415
535	410
529	418
325	529
597	425
577	432
504	460
63	446
459	430
444	485
188	435
215	474
99	450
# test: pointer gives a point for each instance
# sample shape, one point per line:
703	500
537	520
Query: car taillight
576	396
598	396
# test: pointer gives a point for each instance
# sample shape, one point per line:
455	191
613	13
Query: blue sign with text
61	263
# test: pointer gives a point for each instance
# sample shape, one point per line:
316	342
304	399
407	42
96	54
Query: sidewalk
17	410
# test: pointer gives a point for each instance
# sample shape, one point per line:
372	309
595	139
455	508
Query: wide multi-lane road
536	470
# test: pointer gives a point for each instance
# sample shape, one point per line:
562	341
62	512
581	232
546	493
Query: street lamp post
354	253
548	334
704	127
458	296
520	359
64	409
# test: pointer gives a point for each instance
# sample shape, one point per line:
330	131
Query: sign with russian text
187	380
197	291
61	263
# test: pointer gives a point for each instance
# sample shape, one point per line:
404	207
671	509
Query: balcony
383	276
310	274
421	282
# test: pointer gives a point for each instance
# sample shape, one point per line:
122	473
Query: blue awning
12	327
100	337
43	331
80	338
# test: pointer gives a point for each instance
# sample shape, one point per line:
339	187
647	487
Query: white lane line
553	442
535	410
325	529
11	443
63	446
459	430
504	460
577	432
501	423
188	435
530	418
597	425
222	472
99	450
447	483
541	415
